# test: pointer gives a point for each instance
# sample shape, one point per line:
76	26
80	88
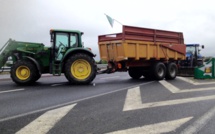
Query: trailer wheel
171	71
24	72
134	72
80	69
149	76
159	71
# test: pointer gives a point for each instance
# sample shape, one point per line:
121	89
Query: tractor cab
66	45
62	40
193	59
193	56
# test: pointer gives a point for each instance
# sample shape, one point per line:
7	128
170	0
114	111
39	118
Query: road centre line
14	90
45	122
195	83
174	89
163	127
71	102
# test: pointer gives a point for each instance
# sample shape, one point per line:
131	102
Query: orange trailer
144	52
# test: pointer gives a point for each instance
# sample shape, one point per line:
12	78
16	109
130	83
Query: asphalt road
113	103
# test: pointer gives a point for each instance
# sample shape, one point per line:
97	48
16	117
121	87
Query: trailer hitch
110	69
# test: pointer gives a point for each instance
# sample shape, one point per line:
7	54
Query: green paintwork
44	57
70	31
21	50
206	71
64	30
72	50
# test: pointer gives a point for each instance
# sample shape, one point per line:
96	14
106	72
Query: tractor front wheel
80	69
24	72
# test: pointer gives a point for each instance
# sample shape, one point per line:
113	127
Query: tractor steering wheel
61	45
60	48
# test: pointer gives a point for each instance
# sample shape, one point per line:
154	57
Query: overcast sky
31	20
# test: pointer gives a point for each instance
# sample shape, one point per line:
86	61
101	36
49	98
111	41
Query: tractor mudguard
77	50
35	62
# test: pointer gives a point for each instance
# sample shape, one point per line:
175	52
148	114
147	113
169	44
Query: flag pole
118	22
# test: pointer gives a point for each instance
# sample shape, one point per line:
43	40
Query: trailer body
142	49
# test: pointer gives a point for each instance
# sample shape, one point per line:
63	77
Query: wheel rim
172	71
81	69
160	71
23	72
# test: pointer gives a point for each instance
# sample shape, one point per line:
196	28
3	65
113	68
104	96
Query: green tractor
66	55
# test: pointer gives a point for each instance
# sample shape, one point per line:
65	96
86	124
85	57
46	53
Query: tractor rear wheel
171	71
80	69
38	76
24	72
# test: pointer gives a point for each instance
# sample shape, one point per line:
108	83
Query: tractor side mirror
203	46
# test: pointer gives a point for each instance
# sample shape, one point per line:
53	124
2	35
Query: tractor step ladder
57	69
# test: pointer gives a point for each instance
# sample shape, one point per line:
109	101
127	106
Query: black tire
171	71
159	71
80	61
148	75
135	72
24	72
38	76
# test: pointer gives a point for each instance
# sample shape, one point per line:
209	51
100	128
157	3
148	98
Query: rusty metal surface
145	34
110	37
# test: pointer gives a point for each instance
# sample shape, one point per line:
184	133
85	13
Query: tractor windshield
190	49
61	43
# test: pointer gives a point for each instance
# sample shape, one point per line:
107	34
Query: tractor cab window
62	39
61	43
190	49
73	40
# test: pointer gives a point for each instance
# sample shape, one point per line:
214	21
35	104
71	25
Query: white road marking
8	91
169	86
45	122
53	85
163	127
193	82
133	101
174	89
109	77
200	123
69	103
